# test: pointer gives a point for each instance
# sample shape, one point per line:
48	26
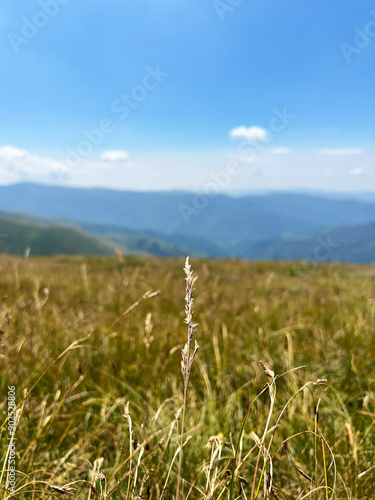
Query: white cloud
281	151
340	151
249	133
19	165
115	156
357	171
11	153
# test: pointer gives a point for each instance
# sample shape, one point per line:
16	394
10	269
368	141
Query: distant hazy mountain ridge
273	226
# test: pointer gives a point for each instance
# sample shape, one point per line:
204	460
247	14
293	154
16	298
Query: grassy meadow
78	342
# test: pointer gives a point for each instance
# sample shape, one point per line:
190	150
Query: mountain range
270	226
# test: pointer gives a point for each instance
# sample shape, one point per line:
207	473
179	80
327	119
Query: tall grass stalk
272	391
187	358
128	417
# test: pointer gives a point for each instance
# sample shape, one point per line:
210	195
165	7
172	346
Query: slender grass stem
187	358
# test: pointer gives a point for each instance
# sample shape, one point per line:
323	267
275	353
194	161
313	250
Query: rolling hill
48	237
16	236
152	243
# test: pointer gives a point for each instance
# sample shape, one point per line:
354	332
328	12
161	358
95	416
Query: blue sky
163	94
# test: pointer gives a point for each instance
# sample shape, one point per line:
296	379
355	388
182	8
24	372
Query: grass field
76	352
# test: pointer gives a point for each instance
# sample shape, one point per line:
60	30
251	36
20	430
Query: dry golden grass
82	337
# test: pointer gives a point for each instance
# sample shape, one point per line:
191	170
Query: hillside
51	237
16	236
152	243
